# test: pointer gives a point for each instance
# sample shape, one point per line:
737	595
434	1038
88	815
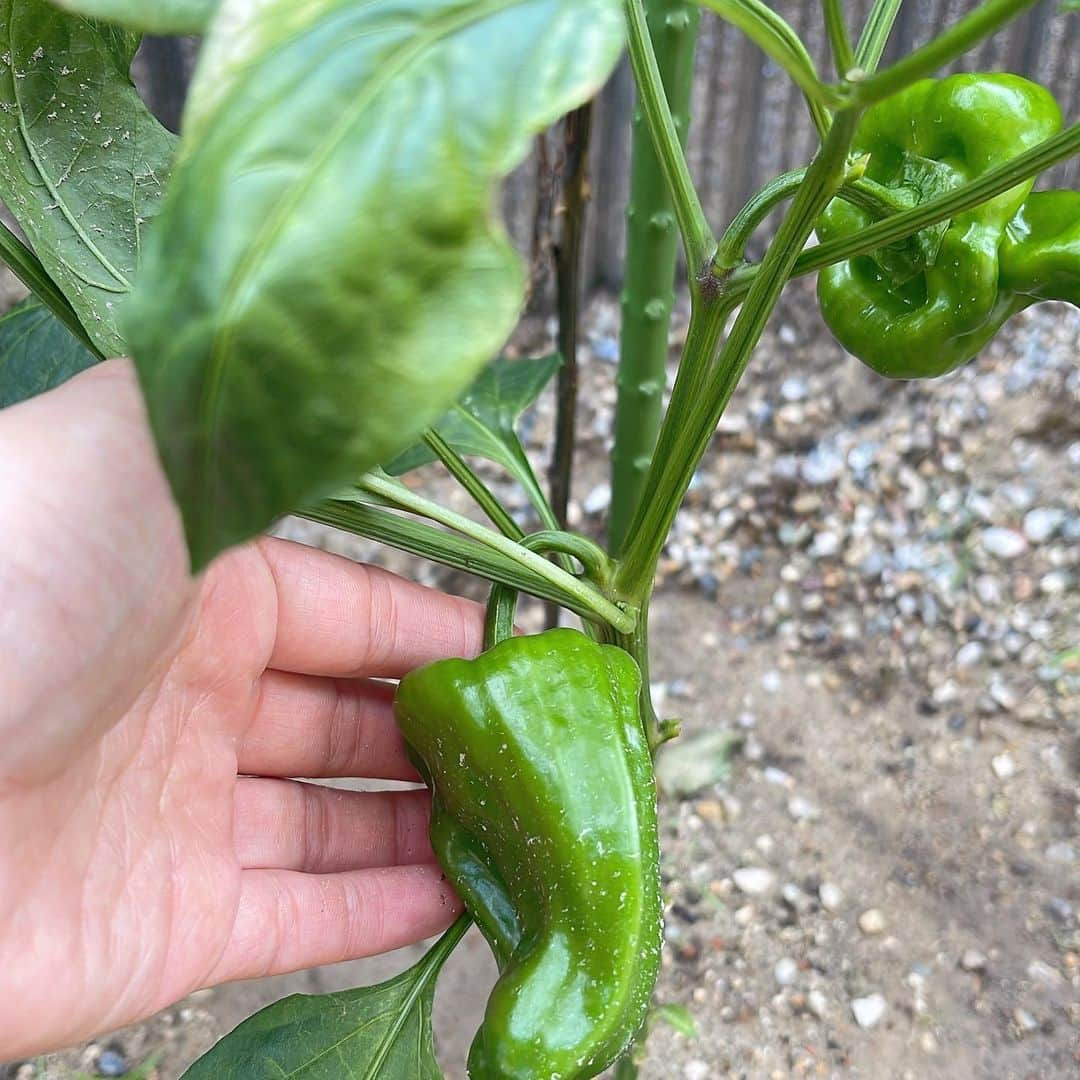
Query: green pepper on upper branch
927	304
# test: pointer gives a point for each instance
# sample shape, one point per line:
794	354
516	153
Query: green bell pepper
928	304
1040	258
544	819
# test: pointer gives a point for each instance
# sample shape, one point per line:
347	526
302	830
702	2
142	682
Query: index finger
343	619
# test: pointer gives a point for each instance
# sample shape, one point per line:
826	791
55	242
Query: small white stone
1025	1022
832	899
745	915
598	500
778	776
973	960
802	809
754	880
1003	765
1045	975
786	971
970	654
1003	543
696	1070
868	1010
872	921
1061	853
1042	522
818	1004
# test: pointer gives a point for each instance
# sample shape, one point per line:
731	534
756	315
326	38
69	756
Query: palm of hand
150	841
150	865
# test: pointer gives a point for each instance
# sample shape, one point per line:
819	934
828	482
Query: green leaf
374	1031
326	276
84	162
149	16
678	1018
484	421
37	352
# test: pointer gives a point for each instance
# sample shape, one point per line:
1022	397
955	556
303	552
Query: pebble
1025	1023
1060	909
697	1070
778	777
598	500
1003	543
111	1063
794	388
868	1011
1045	975
802	809
754	880
1003	765
969	654
772	682
832	899
1041	523
872	921
972	960
1061	853
818	1004
786	971
1055	583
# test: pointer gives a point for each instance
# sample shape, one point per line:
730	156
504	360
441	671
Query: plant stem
27	267
839	39
953	42
651	241
674	28
875	35
672	472
775	37
899	226
575	201
427	542
856	189
464	475
398	495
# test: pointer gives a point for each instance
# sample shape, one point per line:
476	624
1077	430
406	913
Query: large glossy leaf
150	16
326	276
37	352
84	163
484	421
374	1033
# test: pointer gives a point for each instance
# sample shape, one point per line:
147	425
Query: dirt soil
884	884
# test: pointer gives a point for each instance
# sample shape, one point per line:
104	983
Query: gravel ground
867	617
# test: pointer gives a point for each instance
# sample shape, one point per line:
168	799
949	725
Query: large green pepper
544	819
927	305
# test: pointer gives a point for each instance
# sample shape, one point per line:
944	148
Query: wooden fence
749	121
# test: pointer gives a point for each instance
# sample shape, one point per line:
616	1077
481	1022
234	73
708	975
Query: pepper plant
312	282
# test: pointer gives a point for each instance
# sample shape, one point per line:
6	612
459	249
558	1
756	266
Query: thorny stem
649	284
667	142
673	472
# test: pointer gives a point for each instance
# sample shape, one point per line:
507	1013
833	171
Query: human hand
150	841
